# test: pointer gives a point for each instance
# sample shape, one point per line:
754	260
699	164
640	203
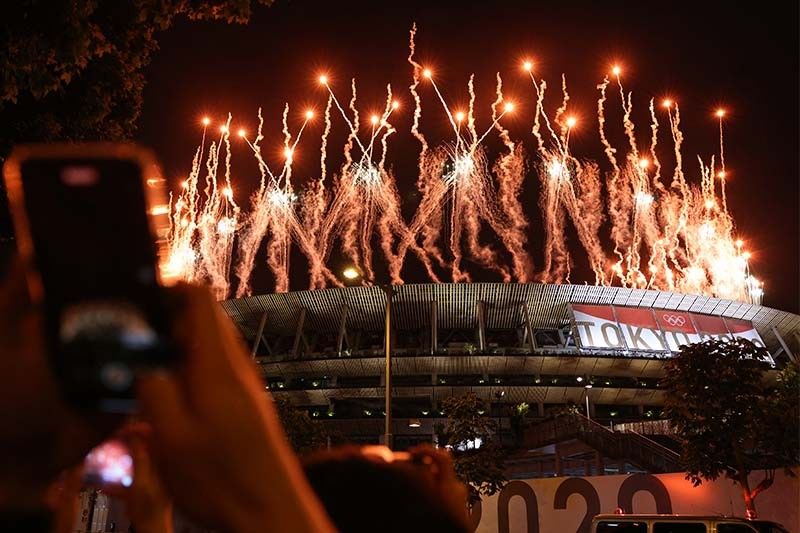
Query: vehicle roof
633	516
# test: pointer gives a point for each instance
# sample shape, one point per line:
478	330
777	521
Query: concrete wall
566	505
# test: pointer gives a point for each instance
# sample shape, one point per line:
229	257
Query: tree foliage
719	401
72	70
481	467
518	422
304	434
781	409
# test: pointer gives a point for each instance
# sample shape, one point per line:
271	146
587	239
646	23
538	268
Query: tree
478	458
304	434
781	408
72	70
518	423
717	399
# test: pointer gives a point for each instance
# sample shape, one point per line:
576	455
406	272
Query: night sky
703	54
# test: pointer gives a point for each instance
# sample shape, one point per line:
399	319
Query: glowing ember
350	273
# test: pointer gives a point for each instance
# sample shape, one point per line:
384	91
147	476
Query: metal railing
329	352
632	446
646	427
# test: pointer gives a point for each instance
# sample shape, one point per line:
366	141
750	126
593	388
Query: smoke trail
417	70
556	256
653	143
538	113
584	203
354	126
218	221
324	147
617	211
627	108
721	146
471	113
313	209
510	172
287	149
723	172
256	147
562	109
678	178
610	151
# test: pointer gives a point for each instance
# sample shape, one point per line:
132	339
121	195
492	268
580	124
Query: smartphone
110	463
91	220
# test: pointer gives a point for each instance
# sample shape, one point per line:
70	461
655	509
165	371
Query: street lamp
387	347
499	395
350	273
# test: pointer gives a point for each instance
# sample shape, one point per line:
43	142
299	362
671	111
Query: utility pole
387	432
588	414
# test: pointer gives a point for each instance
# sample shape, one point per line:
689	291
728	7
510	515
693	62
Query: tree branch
764	484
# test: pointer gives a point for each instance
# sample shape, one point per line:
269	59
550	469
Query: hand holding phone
123	468
89	220
40	434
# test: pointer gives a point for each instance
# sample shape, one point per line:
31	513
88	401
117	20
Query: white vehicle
668	523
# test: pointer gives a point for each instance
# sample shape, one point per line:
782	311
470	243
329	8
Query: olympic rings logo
674	320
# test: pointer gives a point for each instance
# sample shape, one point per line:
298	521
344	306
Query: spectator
216	440
373	489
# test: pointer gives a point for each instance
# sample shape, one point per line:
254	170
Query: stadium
599	349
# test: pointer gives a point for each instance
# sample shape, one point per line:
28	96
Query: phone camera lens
116	376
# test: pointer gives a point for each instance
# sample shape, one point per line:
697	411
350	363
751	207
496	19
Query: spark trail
663	233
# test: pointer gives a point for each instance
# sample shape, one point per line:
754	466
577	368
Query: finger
116	491
146	475
163	405
137	448
196	328
135	428
65	487
140	453
212	350
142	466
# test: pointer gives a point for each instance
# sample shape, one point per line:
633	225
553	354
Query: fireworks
667	231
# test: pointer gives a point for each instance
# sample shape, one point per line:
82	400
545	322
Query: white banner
652	330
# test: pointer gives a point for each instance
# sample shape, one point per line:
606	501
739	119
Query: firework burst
664	230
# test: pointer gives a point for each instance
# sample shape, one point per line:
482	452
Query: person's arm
217	441
221	451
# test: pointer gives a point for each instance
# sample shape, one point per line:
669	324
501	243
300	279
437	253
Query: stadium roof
457	305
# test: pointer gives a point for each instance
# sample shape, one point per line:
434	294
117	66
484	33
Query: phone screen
96	256
109	464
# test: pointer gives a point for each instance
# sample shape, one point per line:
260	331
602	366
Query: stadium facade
600	349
